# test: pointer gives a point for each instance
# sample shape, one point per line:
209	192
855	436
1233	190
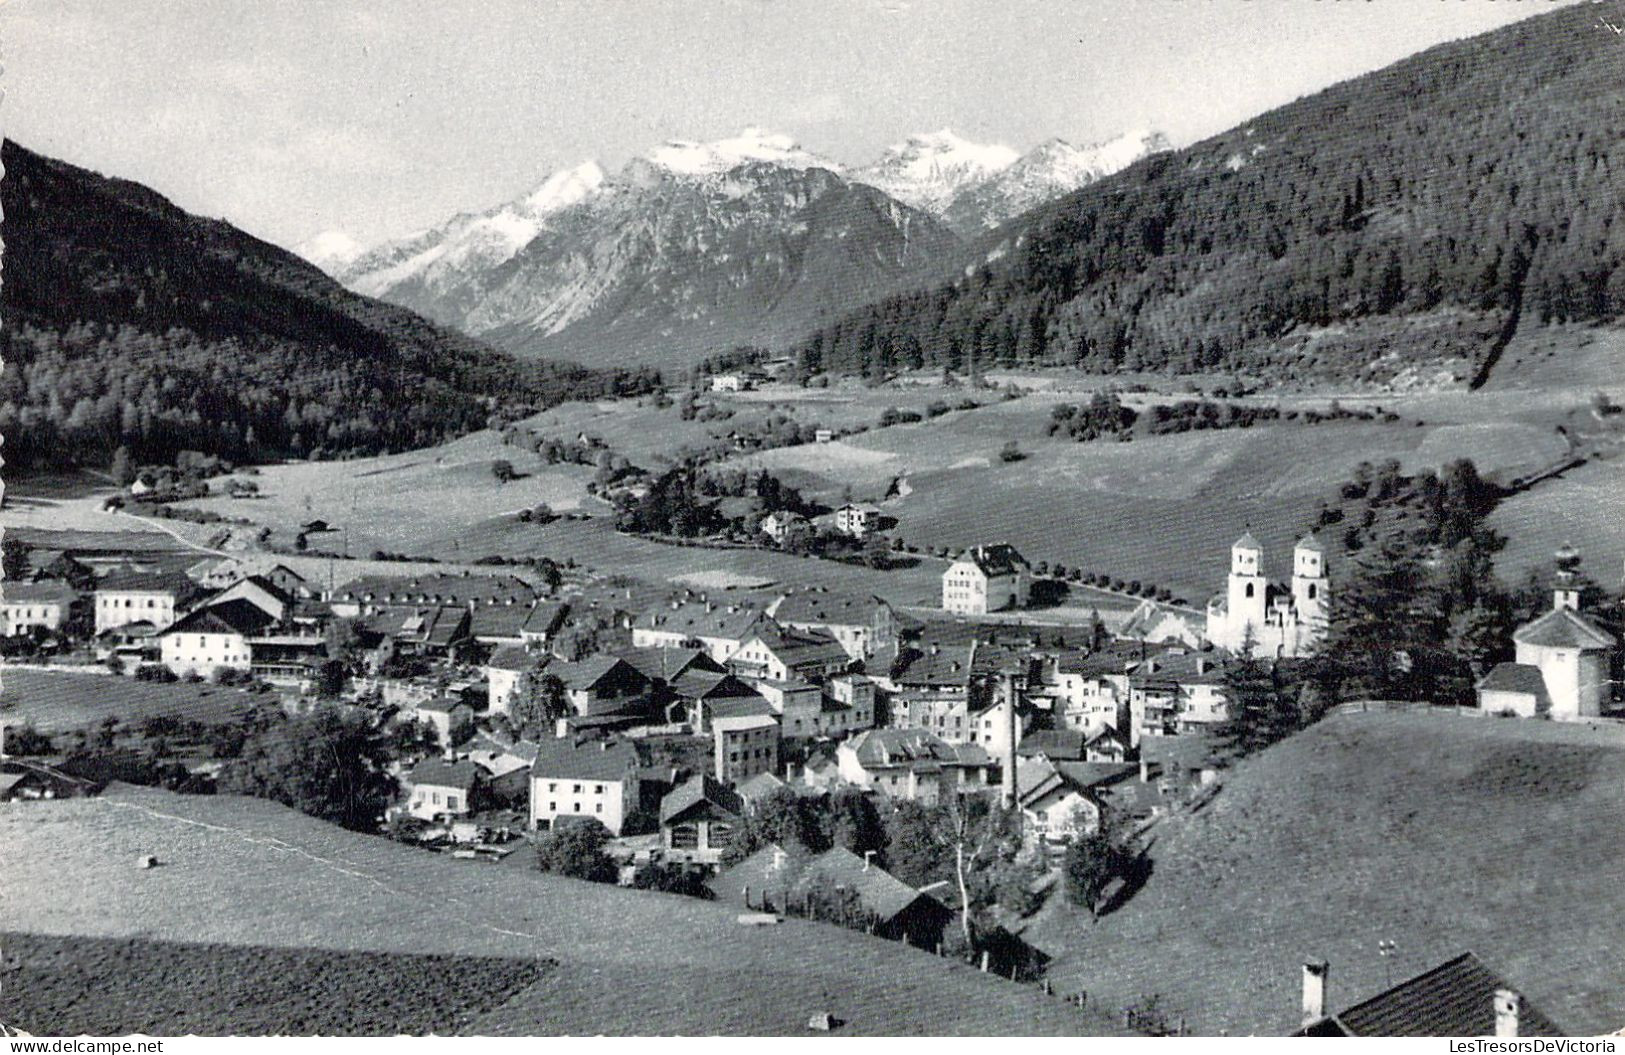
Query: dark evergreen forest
129	322
1415	215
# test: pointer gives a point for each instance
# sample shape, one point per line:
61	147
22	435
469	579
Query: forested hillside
1395	227
129	322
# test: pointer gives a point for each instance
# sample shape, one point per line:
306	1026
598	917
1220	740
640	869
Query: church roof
1563	628
1311	543
1246	541
1516	677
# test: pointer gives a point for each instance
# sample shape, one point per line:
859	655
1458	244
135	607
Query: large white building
986	579
1280	621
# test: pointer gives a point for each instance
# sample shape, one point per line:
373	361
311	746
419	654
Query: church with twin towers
1280	621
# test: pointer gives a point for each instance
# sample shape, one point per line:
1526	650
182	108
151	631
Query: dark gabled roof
498	620
511	657
709	685
733	622
1515	677
1058	745
232	617
667	664
823	608
1095	774
1000	558
1454	999
751	706
696	790
913	748
129	580
772	869
444	774
803	648
37	592
1564	628
445	588
440	704
566	758
590	671
1178	667
545	617
950	665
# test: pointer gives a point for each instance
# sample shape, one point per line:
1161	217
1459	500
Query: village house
1176	692
1160	623
780	524
1459	998
698	697
987	579
744	746
542	623
823	435
154	598
912	764
510	674
698	623
863	624
1055	808
437	789
432	632
218	573
932	690
798	705
1090	690
773	880
1279	621
507	765
600	684
698	819
574	778
212	638
30	606
444	714
776	654
857	519
1563	661
443	590
847	705
263	594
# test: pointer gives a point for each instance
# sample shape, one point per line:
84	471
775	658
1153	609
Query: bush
26	740
154	672
576	849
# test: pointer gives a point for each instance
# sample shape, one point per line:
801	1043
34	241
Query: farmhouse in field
857	519
1563	661
34	606
780	524
987	579
1278	621
773	879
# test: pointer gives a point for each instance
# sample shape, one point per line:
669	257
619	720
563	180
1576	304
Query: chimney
1507	1006
603	745
1145	778
1314	990
868	856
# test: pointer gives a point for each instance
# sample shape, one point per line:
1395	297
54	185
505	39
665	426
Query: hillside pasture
55	702
248	873
1439	832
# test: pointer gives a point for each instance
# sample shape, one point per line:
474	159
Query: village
762	749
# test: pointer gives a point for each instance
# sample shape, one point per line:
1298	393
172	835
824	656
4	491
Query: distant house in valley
779	524
857	519
698	820
986	579
436	789
823	435
775	880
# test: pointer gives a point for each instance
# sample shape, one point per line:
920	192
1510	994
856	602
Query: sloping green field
1441	833
248	873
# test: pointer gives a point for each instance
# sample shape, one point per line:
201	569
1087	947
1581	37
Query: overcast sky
295	116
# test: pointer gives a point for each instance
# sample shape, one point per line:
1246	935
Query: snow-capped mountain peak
928	169
683	157
332	251
1051	169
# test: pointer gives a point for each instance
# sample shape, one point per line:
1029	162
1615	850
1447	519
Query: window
451	802
599	789
576	808
552	807
1249	589
576	789
600	807
552	787
1311	591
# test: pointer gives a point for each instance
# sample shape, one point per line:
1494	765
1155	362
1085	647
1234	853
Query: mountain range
698	247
